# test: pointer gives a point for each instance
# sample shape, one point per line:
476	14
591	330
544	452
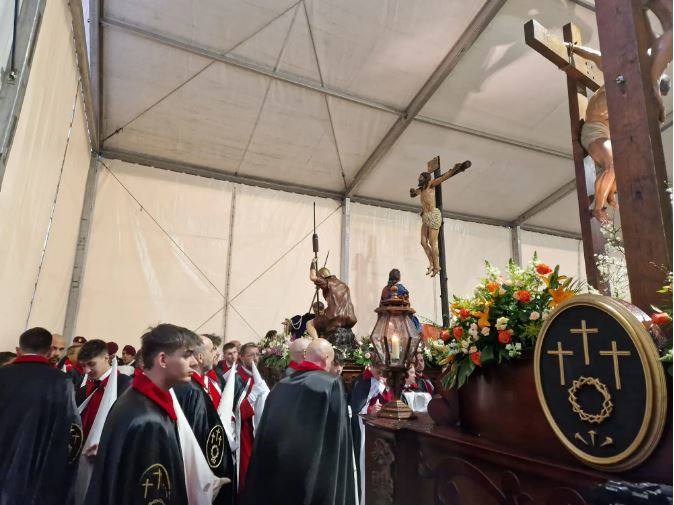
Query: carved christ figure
595	136
431	217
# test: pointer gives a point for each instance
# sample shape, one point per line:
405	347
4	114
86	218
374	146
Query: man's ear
161	357
18	351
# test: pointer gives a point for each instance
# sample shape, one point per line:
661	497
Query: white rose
472	350
501	291
473	326
508	282
545	315
485	331
534	316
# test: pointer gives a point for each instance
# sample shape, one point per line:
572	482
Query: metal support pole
72	308
230	244
516	245
346	235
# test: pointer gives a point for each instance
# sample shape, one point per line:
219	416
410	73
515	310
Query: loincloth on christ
432	218
593	130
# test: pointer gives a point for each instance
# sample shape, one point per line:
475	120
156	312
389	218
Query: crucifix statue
632	60
431	216
586	67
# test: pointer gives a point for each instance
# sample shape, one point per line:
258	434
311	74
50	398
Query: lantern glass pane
377	337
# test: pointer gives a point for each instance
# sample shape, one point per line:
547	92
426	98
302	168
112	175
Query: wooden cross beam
553	48
580	74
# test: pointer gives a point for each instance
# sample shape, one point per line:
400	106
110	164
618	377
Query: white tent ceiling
302	93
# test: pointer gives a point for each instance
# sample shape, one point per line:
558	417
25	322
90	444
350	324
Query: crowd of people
185	420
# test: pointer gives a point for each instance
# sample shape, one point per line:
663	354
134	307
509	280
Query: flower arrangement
362	354
501	319
612	264
274	350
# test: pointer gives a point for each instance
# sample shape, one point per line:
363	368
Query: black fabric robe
139	458
303	453
207	427
123	383
359	397
40	435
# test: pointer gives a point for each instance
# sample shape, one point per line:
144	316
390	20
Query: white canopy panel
302	93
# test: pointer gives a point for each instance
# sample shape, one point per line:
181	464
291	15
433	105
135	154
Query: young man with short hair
139	458
94	358
40	431
129	355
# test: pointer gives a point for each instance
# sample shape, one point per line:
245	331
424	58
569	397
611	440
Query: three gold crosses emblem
586	332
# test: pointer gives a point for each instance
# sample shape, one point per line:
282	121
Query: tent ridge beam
496	138
299	81
478	24
212	173
546	202
458	216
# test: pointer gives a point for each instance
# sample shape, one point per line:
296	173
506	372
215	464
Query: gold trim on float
655	410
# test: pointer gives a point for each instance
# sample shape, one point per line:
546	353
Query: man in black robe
204	420
303	452
40	431
139	460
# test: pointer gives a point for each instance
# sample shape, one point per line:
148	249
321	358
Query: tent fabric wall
271	255
565	252
43	186
157	253
169	247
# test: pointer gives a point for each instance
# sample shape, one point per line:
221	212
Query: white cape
201	483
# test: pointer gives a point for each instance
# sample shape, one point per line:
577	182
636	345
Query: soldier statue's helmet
324	273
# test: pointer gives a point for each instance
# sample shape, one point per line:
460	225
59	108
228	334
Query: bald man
58	349
303	451
296	350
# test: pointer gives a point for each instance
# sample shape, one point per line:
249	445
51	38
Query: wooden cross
560	356
615	354
585	331
580	74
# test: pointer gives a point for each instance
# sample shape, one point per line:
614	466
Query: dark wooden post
645	207
593	240
444	296
580	75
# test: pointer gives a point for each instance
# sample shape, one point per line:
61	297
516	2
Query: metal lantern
395	340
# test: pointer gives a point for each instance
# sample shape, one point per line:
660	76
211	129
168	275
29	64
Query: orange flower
523	296
661	318
493	287
464	313
504	336
475	358
559	295
457	331
483	317
543	269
